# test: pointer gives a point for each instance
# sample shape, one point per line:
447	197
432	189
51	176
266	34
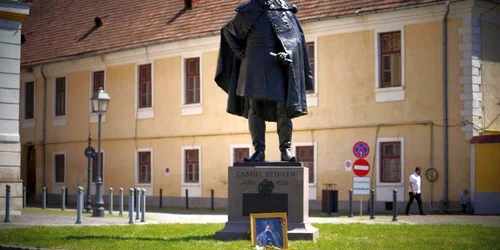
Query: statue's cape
298	74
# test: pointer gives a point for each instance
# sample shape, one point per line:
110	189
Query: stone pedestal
290	194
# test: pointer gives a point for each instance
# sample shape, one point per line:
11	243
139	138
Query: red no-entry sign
361	167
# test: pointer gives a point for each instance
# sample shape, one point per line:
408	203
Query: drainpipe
44	128
445	100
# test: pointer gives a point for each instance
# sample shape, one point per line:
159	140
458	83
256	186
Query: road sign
348	165
361	167
361	149
361	185
89	152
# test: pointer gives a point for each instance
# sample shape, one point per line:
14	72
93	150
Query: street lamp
100	100
90	153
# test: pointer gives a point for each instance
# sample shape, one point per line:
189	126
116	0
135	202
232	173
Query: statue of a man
264	67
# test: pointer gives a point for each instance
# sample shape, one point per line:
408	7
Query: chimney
97	22
189	4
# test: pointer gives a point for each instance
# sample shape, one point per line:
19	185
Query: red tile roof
489	139
58	30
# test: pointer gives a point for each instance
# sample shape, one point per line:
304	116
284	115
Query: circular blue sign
361	149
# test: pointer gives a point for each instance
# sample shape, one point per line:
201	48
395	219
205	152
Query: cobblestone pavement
55	217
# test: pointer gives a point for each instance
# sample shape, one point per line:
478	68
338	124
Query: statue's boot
257	128
285	128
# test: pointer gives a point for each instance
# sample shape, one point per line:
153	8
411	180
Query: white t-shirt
415	179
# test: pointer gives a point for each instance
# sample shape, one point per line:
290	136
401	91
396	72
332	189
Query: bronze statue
264	67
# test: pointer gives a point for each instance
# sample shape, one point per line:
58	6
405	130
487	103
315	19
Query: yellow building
379	76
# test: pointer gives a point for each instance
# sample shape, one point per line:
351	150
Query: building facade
12	14
378	79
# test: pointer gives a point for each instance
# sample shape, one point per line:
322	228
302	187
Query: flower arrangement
266	247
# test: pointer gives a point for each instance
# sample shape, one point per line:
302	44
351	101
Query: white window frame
184	165
139	150
315	145
392	93
197	108
144	113
59	120
28	123
54	167
377	163
93	116
312	98
235	146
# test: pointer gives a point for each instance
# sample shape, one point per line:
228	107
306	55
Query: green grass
201	236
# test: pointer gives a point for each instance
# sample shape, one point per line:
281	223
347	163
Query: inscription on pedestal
267	187
249	187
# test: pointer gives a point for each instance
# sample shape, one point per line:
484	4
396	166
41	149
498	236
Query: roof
59	30
485	139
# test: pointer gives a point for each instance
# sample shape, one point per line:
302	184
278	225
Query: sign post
361	186
361	168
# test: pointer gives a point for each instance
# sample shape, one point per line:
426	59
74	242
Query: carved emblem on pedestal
266	187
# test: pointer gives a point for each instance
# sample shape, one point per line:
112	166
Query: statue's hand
283	58
240	54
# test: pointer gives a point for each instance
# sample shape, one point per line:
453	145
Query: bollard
395	205
212	199
350	203
138	203
7	204
24	197
66	197
44	197
372	204
130	206
79	205
110	200
63	199
121	202
187	198
161	198
143	210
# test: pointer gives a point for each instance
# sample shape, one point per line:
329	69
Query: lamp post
90	153
100	100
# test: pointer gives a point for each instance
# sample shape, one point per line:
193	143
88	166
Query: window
390	161
94	167
239	154
390	59
29	96
59	168
97	82
192	91
192	163
145	86
305	154
60	96
144	170
310	48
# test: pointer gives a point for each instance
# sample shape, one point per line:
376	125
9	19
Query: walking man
415	192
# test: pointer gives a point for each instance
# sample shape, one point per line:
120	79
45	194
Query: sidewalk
56	217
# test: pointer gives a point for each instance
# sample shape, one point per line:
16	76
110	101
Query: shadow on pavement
105	237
